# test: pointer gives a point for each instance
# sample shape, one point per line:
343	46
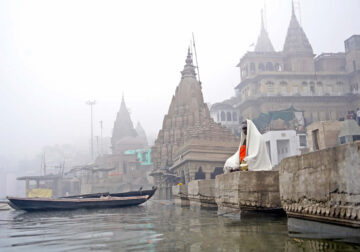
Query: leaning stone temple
190	144
314	88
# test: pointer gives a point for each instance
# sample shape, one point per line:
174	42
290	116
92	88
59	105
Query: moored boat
96	200
46	204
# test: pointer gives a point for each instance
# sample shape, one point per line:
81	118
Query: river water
153	226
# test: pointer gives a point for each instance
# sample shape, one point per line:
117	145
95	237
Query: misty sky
55	55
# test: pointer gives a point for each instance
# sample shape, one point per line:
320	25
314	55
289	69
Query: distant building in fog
290	89
128	166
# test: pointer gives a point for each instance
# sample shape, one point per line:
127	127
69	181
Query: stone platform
240	192
180	195
323	185
202	193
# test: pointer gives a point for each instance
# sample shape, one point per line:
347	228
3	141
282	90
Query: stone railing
323	185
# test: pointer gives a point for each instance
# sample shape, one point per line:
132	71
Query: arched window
328	89
245	71
339	88
312	88
277	67
270	87
269	66
252	67
295	89
228	116
234	116
305	87
320	88
261	67
222	116
199	174
283	86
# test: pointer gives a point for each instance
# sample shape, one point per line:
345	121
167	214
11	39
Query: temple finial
189	60
292	8
189	69
122	98
262	19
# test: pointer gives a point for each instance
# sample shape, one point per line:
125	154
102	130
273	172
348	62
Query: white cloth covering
256	156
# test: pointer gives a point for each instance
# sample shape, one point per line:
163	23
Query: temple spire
263	43
296	40
292	8
189	68
123	126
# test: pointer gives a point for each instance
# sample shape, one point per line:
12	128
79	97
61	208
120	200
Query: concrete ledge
202	193
180	195
248	191
323	185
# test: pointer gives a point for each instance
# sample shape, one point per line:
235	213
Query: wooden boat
150	193
82	201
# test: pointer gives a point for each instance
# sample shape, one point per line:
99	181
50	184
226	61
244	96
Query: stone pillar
208	175
192	175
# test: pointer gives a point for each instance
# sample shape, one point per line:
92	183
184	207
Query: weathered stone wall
328	132
323	185
251	190
202	192
180	195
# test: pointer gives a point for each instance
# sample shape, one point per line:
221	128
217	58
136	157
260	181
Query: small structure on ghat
190	144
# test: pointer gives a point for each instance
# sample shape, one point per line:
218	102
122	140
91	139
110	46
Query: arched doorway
199	174
217	171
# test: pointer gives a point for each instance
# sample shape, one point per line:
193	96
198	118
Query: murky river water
154	226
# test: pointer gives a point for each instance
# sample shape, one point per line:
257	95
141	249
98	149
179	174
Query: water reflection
155	226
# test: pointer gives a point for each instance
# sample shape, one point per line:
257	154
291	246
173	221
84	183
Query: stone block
251	190
202	191
180	191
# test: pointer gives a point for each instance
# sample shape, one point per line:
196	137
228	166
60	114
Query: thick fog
56	55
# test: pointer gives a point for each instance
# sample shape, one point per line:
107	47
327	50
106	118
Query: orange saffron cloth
242	152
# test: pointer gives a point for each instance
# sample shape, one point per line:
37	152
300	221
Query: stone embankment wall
180	195
247	191
202	192
323	185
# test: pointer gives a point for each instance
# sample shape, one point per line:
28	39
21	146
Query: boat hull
45	204
150	193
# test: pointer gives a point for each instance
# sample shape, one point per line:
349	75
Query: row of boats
95	200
